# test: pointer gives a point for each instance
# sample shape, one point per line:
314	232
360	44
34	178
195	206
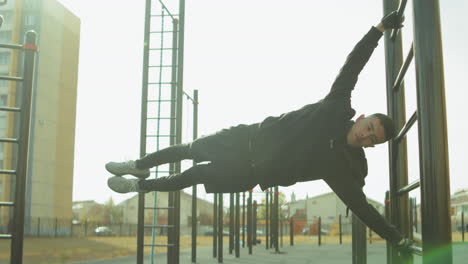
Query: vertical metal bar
38	227
237	226
319	231
398	167
370	236
433	147
281	233
291	231
267	216
180	93
359	241
254	222
463	226
231	223
341	230
175	95
243	219
215	225
411	219
387	218
21	167
249	222
276	220
143	128
194	188
220	228
415	216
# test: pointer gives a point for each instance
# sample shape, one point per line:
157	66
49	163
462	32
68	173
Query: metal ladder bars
174	134
399	188
29	47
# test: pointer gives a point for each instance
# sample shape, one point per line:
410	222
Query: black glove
393	20
404	246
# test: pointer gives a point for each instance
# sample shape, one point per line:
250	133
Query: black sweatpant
228	169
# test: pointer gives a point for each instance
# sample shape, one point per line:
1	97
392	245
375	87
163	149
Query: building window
4	58
29	20
5	36
7	16
3	97
2	124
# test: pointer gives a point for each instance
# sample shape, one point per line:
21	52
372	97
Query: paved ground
298	254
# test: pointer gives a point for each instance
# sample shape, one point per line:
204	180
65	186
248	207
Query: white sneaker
123	185
127	167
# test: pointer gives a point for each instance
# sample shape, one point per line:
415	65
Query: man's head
370	131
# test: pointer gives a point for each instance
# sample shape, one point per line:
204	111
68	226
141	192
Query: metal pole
243	219
220	228
237	226
281	233
254	222
463	226
359	241
231	223
398	167
173	168
143	128
215	225
267	216
249	222
387	218
433	147
291	231
320	231
21	167
276	220
194	188
341	230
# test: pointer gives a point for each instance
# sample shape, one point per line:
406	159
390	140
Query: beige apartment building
51	150
204	210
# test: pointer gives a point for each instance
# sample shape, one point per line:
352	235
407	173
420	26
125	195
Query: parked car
210	232
103	231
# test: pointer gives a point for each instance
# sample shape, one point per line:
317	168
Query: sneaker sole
140	176
118	184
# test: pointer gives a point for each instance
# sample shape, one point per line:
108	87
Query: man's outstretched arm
352	195
359	56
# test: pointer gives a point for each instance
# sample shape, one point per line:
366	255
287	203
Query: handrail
407	127
404	69
409	187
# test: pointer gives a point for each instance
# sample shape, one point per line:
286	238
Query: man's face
366	132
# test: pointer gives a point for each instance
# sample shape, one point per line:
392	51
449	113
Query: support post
359	241
237	226
231	223
291	231
215	225
23	149
433	147
194	187
397	150
220	228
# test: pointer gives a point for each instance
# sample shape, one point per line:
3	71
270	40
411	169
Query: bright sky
249	60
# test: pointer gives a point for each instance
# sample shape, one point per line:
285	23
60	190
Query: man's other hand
393	20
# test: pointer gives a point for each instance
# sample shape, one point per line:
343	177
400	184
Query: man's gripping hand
404	246
393	20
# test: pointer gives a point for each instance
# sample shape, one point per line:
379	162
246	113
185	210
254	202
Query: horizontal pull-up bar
408	188
12	46
401	11
403	69
406	128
